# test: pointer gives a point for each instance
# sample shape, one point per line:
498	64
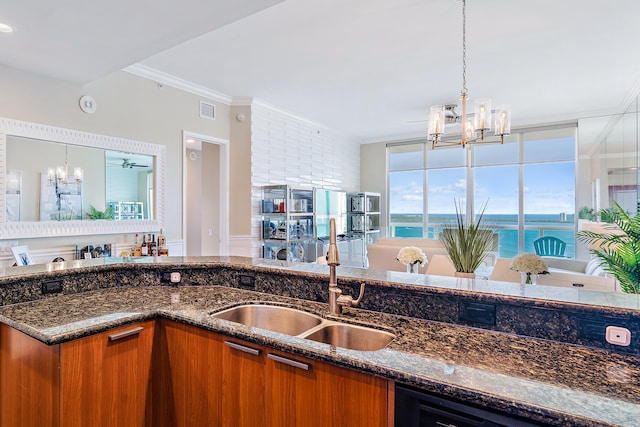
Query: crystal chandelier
473	130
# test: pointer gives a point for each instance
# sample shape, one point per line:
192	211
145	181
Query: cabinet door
207	379
243	366
30	372
105	378
302	392
189	376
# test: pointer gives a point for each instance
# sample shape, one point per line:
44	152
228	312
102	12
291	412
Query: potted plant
94	213
619	248
468	241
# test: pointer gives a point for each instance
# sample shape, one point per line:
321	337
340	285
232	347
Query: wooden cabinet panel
323	395
243	384
29	380
209	382
106	377
192	371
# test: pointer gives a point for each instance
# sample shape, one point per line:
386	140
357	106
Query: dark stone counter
492	366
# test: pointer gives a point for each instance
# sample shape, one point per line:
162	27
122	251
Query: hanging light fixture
476	130
60	174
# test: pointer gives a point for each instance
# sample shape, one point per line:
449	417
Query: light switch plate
618	336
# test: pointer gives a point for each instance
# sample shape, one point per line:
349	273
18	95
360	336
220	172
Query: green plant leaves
467	242
620	252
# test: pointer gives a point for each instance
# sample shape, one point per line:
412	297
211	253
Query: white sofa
382	254
559	276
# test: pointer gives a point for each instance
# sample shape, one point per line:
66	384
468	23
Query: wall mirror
615	158
62	182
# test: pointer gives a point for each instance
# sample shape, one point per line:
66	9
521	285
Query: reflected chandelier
473	131
60	174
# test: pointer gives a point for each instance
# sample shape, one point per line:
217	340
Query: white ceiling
369	68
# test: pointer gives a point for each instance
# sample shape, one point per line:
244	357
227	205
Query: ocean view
505	226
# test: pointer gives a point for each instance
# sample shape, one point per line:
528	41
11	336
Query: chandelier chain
464	48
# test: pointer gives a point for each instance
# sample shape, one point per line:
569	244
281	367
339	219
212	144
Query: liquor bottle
149	244
144	247
137	246
154	246
161	239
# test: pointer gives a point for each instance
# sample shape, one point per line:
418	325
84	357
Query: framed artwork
13	196
22	255
60	201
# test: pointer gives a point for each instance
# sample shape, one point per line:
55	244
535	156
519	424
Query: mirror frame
33	229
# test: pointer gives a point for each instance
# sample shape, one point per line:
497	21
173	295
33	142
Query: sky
548	188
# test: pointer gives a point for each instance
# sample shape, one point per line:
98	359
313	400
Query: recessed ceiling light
5	28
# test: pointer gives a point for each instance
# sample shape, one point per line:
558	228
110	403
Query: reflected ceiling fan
127	164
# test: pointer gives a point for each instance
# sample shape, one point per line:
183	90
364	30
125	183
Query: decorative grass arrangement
620	252
467	241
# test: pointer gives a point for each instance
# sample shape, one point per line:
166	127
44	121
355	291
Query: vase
412	268
465	275
528	278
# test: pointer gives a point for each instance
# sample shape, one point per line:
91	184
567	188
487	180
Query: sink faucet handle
348	301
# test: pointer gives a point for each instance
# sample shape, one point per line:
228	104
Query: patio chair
549	246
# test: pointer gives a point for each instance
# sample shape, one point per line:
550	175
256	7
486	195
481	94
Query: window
406	189
527	183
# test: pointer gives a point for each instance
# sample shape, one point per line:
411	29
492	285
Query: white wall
373	177
288	150
128	107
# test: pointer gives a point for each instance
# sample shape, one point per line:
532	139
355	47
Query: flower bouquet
529	266
410	256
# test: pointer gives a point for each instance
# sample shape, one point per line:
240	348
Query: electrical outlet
618	336
51	286
247	282
173	277
474	312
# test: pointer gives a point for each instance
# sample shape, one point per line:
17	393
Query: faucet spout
336	299
333	260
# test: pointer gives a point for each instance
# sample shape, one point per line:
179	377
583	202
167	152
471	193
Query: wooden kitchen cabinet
303	392
209	379
29	380
188	375
101	380
106	378
223	381
172	374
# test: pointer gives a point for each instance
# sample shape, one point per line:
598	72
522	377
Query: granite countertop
558	383
614	302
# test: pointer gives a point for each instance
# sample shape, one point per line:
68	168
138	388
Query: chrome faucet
336	299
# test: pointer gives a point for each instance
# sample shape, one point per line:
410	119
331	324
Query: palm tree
619	249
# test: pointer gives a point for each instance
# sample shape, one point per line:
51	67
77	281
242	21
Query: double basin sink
301	324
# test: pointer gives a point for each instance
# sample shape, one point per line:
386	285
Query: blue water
507	239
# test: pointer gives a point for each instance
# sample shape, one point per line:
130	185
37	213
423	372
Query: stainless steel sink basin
351	337
271	317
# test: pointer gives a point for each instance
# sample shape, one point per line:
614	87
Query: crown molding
178	83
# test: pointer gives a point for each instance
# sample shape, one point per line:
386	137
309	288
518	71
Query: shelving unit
288	223
363	219
127	210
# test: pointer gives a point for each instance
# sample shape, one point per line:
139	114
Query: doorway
206	190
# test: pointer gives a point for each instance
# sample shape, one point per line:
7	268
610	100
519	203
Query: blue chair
549	246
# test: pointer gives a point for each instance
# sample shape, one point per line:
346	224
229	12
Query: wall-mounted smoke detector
207	110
